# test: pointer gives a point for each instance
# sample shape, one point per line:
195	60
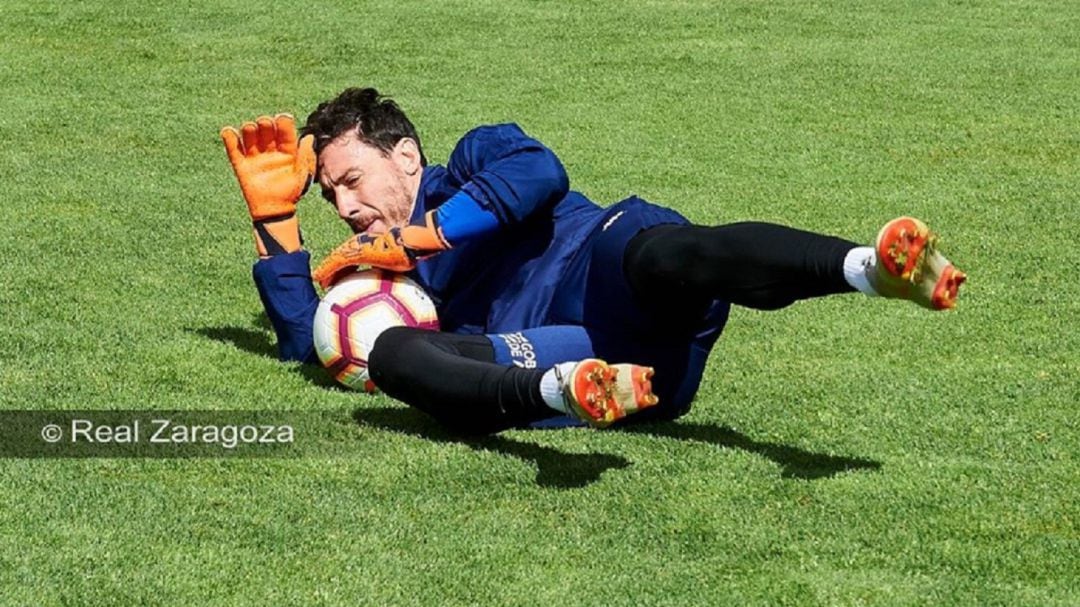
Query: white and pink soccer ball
356	310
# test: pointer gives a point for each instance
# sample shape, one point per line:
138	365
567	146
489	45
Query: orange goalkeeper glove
274	171
396	250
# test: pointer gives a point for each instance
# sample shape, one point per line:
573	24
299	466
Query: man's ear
407	154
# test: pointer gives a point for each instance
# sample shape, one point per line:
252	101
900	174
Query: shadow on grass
794	462
258	341
253	341
554	469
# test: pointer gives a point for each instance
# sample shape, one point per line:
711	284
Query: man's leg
767	266
454	379
757	265
457	379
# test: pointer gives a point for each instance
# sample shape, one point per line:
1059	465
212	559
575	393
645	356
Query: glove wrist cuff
277	235
427	238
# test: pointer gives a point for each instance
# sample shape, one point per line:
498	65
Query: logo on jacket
614	218
522	352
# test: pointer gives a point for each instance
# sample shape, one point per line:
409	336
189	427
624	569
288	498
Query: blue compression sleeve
462	218
542	347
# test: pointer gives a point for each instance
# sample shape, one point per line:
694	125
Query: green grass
845	451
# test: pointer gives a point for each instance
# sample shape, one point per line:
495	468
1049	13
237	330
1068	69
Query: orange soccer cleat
909	266
600	394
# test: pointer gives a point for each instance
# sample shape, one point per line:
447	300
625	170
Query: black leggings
756	265
764	266
454	379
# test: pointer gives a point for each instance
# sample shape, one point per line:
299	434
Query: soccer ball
356	310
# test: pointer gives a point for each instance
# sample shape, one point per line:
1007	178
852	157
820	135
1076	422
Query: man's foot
600	394
909	266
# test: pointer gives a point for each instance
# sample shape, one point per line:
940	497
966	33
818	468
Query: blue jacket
497	283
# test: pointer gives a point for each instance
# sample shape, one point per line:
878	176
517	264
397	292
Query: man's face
373	191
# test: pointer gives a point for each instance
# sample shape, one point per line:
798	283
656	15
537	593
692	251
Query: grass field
847	451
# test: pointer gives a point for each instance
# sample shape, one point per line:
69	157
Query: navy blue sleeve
284	283
507	172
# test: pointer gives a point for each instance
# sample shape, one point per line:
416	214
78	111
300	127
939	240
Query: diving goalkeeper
549	304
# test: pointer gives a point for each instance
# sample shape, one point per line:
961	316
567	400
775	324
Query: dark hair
376	120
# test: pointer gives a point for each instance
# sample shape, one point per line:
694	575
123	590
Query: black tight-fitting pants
757	265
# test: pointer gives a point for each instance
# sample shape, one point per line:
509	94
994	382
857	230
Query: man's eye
328	195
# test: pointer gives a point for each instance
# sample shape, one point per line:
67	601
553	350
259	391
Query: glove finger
248	135
231	138
337	276
323	276
319	276
344	256
328	273
266	134
285	126
305	155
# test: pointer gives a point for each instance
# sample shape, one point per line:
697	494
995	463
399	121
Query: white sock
857	264
551	390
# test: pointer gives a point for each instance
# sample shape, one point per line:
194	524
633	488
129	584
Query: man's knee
680	258
653	253
667	271
395	357
417	367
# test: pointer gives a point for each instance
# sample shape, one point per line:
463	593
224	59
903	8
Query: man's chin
372	229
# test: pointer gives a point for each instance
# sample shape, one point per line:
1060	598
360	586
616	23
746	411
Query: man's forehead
343	154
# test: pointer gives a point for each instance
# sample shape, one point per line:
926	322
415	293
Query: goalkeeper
538	289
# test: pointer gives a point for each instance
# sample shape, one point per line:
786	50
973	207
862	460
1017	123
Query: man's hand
396	250
273	168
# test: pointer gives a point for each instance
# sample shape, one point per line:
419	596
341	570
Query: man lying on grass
511	255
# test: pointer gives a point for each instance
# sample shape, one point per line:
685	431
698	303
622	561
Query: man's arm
504	175
274	170
290	301
507	173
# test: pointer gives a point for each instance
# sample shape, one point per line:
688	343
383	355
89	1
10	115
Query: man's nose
347	206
